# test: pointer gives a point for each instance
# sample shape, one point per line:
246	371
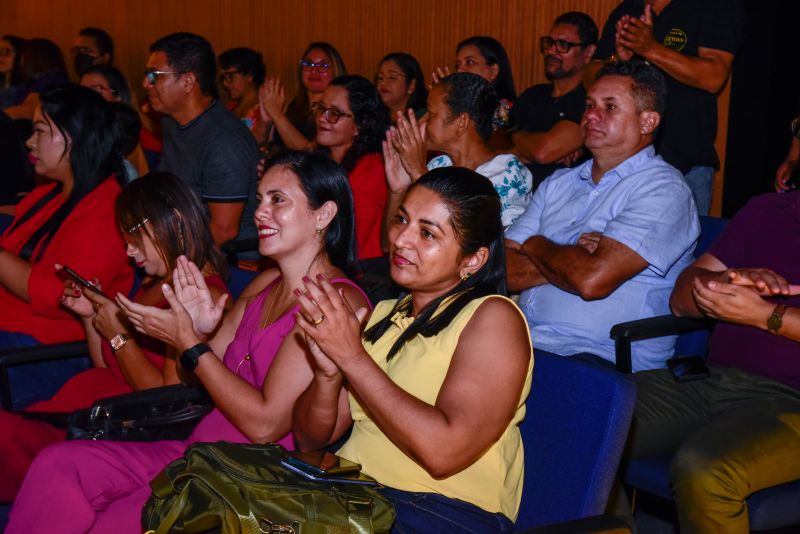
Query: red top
88	241
368	182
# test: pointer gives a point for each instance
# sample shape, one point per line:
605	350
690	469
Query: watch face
118	341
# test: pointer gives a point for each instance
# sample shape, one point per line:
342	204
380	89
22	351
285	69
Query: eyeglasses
562	45
5	52
332	115
75	50
391	78
152	75
227	76
138	225
102	88
310	65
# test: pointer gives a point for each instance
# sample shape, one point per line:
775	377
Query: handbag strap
359	515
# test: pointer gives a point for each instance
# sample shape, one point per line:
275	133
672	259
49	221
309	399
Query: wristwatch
775	321
191	357
119	341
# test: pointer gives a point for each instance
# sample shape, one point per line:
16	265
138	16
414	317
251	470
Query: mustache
553	58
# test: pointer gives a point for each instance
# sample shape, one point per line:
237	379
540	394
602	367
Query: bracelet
796	127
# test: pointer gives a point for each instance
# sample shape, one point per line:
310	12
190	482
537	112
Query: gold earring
319	231
464	277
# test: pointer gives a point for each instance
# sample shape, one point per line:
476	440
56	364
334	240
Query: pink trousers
90	486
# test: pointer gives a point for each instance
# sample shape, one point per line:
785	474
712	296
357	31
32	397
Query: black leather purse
169	412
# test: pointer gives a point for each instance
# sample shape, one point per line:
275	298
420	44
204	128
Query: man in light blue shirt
604	242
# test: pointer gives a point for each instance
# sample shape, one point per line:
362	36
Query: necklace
272	311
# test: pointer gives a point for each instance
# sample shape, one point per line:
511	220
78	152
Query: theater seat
574	430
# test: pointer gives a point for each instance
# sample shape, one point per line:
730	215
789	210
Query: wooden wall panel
362	30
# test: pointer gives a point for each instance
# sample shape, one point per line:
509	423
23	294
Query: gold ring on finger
318	321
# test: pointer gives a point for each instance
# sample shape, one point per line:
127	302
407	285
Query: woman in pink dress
305	224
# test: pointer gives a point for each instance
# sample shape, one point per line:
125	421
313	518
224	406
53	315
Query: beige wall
362	30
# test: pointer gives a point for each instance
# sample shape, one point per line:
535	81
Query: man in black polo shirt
693	42
547	116
204	144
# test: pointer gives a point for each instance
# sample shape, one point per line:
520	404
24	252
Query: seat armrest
37	353
663	325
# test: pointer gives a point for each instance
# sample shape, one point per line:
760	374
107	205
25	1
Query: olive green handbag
231	488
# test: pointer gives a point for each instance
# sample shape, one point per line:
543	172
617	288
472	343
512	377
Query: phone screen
322	463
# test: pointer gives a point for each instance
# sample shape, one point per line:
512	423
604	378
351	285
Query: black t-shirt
689	127
216	155
537	110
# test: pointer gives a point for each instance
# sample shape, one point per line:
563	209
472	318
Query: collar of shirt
630	166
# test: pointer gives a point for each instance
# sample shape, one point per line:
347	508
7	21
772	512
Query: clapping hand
331	326
408	139
271	98
437	75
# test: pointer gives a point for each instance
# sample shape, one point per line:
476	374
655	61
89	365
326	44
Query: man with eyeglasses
693	42
93	46
204	144
547	116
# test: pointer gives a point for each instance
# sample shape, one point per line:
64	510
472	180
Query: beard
557	72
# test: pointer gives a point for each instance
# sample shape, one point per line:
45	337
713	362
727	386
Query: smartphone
80	280
321	463
688	368
347	478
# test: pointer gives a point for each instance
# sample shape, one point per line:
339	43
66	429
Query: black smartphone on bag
688	368
321	463
80	280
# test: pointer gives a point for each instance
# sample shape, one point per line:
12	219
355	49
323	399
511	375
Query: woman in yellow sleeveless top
436	386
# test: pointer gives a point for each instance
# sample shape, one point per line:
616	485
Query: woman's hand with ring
327	319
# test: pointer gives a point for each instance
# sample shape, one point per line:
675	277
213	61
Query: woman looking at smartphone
438	380
305	223
160	219
69	220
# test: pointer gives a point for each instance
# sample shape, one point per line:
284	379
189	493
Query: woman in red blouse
161	220
69	221
351	123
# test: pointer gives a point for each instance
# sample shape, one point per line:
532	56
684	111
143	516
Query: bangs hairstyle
323	180
91	133
495	54
471	94
176	221
409	65
370	115
245	60
474	208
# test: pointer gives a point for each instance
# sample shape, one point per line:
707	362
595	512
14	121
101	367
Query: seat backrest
695	343
576	424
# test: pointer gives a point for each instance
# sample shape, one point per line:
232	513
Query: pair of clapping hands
332	328
404	152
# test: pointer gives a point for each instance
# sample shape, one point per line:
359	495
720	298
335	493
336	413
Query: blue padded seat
577	420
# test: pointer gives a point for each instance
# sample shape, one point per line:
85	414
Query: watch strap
775	321
191	356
